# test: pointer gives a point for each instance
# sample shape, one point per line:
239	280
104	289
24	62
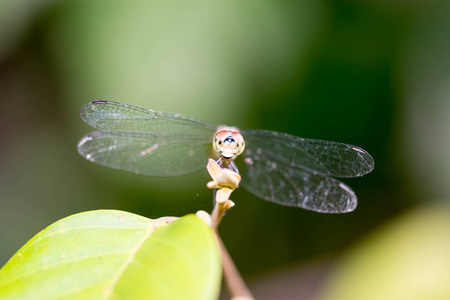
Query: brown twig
224	182
219	211
235	283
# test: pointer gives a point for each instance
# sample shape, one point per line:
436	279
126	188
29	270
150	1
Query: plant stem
218	213
234	281
224	183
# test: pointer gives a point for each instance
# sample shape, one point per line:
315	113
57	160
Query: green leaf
109	254
407	258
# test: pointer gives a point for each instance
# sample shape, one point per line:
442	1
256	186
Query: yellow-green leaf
111	254
407	259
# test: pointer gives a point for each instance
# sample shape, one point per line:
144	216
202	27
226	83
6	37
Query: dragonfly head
228	142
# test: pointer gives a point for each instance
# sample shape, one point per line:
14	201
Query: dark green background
369	73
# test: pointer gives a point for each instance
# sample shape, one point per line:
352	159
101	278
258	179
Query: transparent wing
119	118
296	187
328	158
145	141
147	155
292	171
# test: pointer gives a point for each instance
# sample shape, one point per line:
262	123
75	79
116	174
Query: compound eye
228	143
240	148
240	144
217	141
216	145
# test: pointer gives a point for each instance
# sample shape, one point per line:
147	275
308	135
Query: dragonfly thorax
229	142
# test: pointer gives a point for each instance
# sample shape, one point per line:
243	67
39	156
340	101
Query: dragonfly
274	166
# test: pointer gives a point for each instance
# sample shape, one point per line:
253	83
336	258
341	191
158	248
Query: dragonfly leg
228	164
234	167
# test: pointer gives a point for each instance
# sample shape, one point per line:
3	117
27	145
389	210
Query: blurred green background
375	74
